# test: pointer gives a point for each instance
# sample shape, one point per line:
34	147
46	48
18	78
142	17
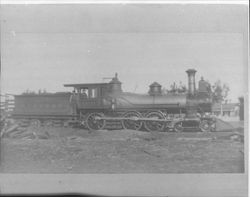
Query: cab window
93	93
84	92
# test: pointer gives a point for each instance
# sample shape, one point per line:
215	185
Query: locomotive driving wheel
133	123
154	125
178	127
93	121
204	126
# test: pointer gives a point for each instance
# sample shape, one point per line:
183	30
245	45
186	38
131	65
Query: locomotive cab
89	95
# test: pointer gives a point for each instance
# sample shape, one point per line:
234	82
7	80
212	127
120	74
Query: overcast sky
46	46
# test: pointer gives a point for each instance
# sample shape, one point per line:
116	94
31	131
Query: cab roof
86	85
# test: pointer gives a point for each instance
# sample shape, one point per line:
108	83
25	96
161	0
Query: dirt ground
72	150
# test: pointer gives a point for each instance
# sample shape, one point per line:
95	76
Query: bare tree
219	93
177	89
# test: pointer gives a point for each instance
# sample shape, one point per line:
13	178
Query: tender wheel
23	122
94	123
133	124
35	123
48	123
152	125
178	127
204	126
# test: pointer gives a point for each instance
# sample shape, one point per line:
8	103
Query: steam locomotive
96	104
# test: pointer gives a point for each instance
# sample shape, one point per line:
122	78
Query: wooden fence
7	104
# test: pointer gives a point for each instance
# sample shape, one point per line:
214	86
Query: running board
144	119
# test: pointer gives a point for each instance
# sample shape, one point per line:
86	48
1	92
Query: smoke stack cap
191	71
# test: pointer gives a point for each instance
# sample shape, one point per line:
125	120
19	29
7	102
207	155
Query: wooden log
22	128
15	133
9	130
42	136
3	118
29	137
57	121
57	125
26	135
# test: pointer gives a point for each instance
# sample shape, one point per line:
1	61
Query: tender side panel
50	104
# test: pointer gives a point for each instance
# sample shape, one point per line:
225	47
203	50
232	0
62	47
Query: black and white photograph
126	89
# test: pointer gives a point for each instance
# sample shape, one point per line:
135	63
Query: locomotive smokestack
191	81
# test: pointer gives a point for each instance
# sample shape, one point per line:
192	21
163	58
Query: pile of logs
12	129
